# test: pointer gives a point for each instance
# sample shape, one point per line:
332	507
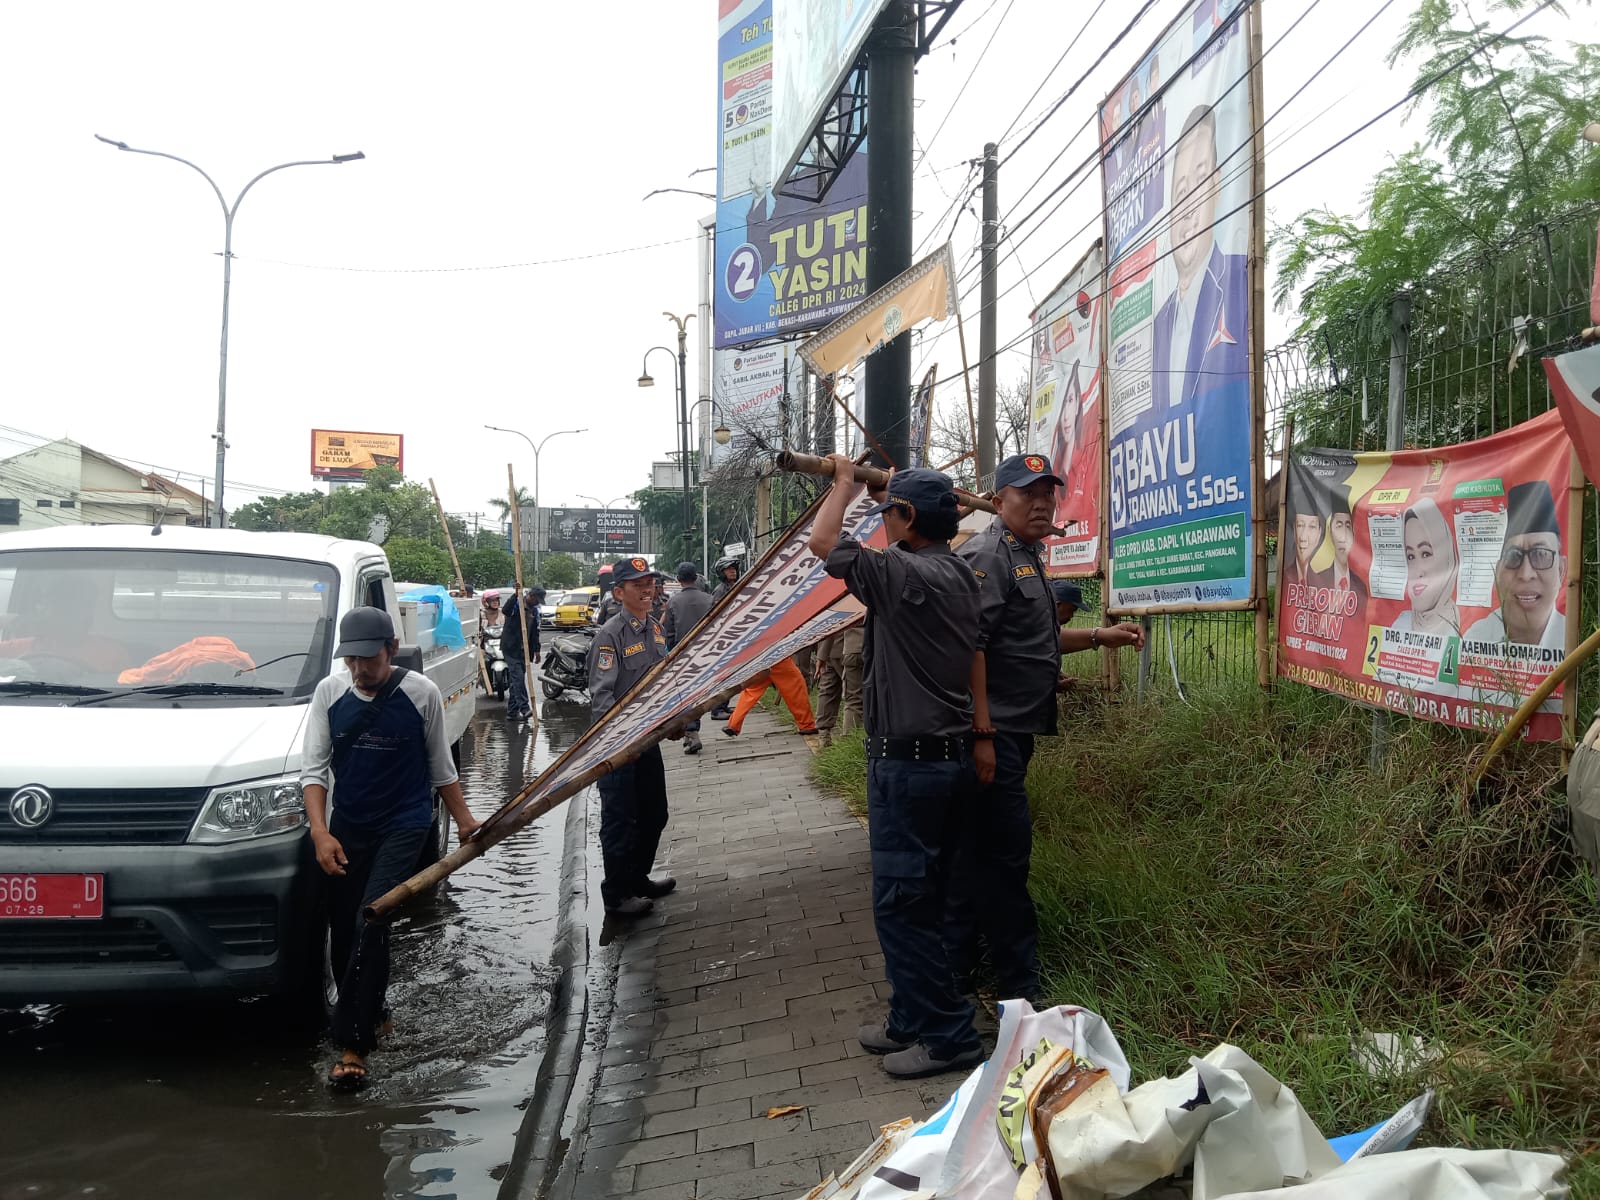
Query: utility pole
1394	439
891	57
987	318
824	416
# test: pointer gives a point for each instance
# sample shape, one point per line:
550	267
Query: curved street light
218	519
645	380
536	502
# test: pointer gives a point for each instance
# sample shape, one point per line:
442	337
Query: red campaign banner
1431	582
1575	383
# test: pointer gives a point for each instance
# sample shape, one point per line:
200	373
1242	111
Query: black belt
918	749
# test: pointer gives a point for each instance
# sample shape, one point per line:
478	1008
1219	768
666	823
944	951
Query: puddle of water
214	1100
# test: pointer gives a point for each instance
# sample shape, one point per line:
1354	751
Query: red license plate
52	897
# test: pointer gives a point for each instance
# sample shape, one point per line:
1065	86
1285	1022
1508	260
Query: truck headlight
249	810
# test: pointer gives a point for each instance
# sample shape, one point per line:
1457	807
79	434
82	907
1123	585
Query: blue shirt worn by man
386	765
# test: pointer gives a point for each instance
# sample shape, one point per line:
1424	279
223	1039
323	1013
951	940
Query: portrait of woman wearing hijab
1431	567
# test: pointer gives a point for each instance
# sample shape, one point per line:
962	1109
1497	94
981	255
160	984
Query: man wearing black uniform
921	631
633	798
1019	662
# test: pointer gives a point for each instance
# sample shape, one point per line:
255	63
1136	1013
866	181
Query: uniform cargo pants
633	812
911	816
988	895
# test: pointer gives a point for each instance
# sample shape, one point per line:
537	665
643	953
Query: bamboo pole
865	432
512	819
461	580
1569	702
1257	360
1283	516
522	599
810	464
966	378
1567	667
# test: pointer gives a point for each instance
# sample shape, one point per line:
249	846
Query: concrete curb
539	1149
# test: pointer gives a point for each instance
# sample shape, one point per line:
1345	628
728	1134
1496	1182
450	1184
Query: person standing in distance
378	730
633	798
1020	642
727	572
684	611
921	634
518	705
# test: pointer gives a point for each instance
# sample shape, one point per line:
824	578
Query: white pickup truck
154	688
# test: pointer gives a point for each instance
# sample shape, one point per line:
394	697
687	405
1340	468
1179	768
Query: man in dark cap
633	798
1018	662
921	628
1529	575
684	611
378	730
518	705
1069	599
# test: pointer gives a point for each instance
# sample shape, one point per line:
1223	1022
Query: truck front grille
109	817
82	943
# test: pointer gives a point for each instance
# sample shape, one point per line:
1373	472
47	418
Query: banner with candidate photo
783	266
1431	582
1177	169
1064	416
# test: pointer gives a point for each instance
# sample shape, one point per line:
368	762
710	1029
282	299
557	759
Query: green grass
1230	870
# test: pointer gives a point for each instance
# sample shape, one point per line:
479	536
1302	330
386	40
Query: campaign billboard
592	530
1431	581
818	41
1066	406
1177	171
747	385
782	265
346	454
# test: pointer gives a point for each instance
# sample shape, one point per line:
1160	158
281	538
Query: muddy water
217	1101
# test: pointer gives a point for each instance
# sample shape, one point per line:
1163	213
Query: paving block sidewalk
743	991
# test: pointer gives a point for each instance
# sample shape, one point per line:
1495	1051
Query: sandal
348	1075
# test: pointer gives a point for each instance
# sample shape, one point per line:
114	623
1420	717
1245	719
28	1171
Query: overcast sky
496	134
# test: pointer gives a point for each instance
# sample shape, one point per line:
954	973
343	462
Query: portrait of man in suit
1339	577
1201	332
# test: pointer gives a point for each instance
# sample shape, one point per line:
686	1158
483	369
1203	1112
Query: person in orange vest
786	676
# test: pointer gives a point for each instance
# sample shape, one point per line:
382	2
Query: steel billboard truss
840	133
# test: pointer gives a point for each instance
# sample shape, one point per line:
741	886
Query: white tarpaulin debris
1050	1115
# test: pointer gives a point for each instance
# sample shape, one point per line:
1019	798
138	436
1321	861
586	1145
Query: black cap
1531	508
688	572
363	632
1067	592
1022	469
625	569
926	490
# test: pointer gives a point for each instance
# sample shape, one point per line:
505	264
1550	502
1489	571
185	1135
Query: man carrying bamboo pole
519	706
921	635
633	798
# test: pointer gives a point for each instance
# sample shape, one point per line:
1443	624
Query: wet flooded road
218	1101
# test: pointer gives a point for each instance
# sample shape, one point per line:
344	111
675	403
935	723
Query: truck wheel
437	844
307	1005
551	688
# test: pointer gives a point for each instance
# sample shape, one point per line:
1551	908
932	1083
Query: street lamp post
218	518
536	501
723	435
605	505
645	380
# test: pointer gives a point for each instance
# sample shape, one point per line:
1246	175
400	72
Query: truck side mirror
409	657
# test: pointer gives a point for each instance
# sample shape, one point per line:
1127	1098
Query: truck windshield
578	598
120	620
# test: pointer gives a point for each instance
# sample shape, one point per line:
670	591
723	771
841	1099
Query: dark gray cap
688	572
363	632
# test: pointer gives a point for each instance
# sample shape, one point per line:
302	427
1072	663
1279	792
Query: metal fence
1477	331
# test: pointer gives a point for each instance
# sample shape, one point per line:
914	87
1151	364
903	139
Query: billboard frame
1249	13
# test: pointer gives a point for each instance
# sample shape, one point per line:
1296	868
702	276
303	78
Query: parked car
173	857
577	607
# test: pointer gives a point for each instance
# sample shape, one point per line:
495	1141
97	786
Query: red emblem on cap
1034	462
639	564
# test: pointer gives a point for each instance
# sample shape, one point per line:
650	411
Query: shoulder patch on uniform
661	637
607	659
1023	572
980	574
633	649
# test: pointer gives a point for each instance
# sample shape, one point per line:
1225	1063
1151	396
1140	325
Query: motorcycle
566	663
494	661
